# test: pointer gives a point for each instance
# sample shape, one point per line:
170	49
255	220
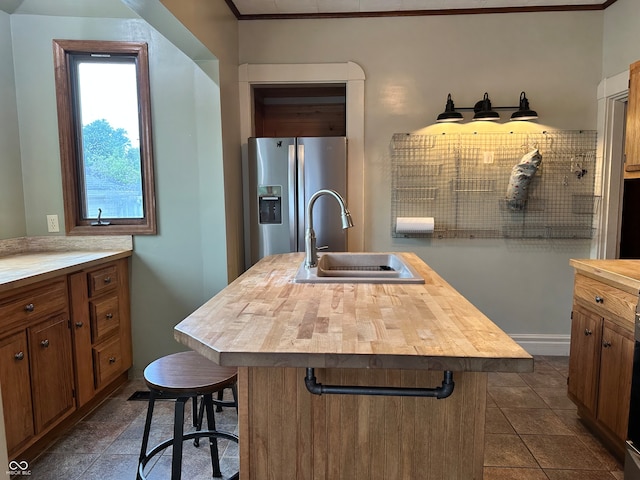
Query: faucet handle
323	247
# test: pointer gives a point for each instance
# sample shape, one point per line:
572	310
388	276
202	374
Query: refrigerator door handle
292	197
302	196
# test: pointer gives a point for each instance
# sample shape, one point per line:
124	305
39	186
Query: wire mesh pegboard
461	180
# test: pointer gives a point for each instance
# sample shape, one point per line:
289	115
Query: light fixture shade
524	112
450	114
483	110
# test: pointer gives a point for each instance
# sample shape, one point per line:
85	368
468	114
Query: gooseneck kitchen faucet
311	251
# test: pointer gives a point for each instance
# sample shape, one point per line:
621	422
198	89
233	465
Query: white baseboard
542	344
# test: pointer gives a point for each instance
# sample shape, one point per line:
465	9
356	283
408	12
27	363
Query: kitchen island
354	334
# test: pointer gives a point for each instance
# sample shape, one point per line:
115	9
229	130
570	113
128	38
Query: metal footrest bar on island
438	392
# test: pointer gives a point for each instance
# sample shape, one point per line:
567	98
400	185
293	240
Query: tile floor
105	445
532	433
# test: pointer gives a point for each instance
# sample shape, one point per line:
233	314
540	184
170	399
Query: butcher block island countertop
265	319
359	335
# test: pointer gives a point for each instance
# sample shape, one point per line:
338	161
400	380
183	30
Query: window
104	123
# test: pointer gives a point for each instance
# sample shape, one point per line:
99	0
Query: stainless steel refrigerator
283	174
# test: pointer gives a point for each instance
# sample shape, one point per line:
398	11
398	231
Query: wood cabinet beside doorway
632	135
602	343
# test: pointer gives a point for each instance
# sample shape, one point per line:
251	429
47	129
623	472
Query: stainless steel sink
358	268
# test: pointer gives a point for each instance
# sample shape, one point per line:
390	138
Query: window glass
110	137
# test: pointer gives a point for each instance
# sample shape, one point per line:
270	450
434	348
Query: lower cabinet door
584	359
16	390
51	370
616	366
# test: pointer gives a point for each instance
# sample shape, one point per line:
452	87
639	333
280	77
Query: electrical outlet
52	223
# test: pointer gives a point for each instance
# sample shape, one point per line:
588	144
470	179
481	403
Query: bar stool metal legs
185	376
179	437
219	403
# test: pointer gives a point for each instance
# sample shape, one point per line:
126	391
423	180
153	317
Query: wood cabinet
632	135
65	343
16	390
616	363
102	329
36	371
601	358
584	361
51	370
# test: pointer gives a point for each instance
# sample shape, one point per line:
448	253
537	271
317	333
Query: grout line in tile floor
532	433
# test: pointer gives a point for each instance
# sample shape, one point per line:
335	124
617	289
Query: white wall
215	26
621	40
411	63
12	219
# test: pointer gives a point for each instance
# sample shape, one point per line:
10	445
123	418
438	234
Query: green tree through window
111	163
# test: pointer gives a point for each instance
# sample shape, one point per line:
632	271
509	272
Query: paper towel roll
414	225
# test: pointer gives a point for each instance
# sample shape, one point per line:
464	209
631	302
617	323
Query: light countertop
265	319
27	261
622	274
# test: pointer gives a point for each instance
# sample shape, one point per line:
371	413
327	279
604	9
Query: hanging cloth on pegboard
521	175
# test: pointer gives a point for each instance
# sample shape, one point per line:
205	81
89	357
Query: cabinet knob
45	343
606	344
19	356
599	299
29	307
112	359
109	316
79	324
107	279
587	332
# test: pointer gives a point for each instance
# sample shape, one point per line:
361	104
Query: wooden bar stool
183	376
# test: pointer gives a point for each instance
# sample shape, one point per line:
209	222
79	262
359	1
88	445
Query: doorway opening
311	110
614	92
630	223
349	74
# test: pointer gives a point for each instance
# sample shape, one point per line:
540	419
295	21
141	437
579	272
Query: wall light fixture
450	114
483	110
524	112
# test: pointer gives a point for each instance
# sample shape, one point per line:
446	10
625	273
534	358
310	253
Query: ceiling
278	9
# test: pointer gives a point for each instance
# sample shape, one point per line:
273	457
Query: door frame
613	93
349	73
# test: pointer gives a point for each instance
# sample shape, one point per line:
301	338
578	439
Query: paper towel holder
414	226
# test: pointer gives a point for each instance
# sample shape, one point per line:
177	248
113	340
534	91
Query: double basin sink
358	268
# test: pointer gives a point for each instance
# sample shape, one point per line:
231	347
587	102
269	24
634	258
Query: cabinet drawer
103	280
605	299
107	361
34	303
105	317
